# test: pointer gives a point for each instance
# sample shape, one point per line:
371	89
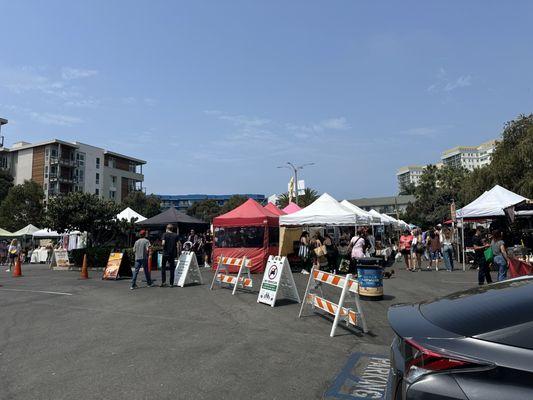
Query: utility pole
295	170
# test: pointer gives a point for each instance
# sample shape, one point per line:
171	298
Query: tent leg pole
463	242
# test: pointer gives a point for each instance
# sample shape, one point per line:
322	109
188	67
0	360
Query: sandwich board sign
117	267
278	282
60	259
187	270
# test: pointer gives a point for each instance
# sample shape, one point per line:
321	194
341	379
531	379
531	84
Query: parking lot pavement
65	338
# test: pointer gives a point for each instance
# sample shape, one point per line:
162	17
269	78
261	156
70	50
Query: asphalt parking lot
65	338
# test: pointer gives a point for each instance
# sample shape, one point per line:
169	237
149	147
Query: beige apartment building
469	157
61	167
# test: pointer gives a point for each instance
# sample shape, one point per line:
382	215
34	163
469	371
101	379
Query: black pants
483	271
170	261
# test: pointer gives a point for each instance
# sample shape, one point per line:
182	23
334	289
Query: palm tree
308	196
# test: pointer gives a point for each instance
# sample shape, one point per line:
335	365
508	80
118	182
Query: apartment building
409	175
469	157
183	201
390	205
61	167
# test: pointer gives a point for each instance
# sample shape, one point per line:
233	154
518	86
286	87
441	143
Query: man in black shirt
479	249
170	251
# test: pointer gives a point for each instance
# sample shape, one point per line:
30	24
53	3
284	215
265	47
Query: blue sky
216	94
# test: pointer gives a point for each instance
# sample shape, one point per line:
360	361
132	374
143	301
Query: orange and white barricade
339	310
243	280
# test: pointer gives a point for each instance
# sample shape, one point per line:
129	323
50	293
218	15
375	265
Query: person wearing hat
140	249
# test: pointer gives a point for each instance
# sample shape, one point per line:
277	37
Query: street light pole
295	170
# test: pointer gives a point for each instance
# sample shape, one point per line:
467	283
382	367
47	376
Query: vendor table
519	268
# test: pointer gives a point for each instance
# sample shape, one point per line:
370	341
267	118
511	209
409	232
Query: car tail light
421	361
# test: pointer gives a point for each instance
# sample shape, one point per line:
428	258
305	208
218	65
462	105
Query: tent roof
323	211
4	233
28	230
250	213
363	217
128	214
46	233
274	210
291	208
170	216
384	220
490	204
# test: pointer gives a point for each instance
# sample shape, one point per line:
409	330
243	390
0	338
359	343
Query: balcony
65	162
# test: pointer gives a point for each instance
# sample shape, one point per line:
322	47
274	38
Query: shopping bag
489	255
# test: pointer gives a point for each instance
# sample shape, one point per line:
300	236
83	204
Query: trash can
370	278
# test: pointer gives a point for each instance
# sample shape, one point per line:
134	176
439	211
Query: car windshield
492	308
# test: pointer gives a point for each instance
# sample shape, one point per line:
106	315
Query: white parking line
37	291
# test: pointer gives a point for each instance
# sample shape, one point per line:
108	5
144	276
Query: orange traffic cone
84	273
17	271
150	260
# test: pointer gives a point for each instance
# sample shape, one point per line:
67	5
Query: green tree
307	197
23	205
511	165
87	213
147	206
233	202
407	189
6	183
205	210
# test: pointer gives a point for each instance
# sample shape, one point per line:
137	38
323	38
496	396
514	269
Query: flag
291	189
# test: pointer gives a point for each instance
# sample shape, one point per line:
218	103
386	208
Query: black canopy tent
172	216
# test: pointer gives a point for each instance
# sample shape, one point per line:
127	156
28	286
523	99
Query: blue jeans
501	263
138	265
447	252
167	260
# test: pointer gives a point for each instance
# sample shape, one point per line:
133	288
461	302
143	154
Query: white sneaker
437	269
304	272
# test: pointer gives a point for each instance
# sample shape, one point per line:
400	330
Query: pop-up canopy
362	217
274	210
45	233
129	214
5	234
323	211
490	204
382	218
249	230
28	230
170	216
291	208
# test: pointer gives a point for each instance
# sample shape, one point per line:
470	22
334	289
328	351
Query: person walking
140	249
332	253
419	248
208	249
357	249
501	259
447	248
434	249
405	244
13	252
479	257
170	251
319	251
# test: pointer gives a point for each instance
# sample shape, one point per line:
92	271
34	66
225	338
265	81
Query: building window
46	172
97	162
113	180
97	179
81	175
112	194
97	192
80	157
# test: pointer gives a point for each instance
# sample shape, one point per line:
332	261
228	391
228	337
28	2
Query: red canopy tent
274	210
249	230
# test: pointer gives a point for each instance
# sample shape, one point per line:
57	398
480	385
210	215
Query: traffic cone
84	273
150	260
17	271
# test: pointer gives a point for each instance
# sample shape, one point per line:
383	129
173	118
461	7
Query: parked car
475	344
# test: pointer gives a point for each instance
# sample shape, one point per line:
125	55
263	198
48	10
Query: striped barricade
341	313
243	279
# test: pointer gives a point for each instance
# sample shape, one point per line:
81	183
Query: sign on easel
117	267
60	260
278	282
187	270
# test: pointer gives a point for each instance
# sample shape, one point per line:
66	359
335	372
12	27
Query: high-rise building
469	157
61	167
409	175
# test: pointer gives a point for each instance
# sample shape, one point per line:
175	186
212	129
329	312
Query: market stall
174	217
130	215
274	210
249	230
291	208
490	205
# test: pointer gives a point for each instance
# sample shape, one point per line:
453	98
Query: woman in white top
13	252
446	240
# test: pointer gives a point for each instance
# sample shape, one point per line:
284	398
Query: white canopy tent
28	230
128	214
362	217
46	233
323	211
490	204
383	220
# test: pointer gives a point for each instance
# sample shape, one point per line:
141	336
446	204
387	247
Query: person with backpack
357	249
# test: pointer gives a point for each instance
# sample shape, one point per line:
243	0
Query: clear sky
216	94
